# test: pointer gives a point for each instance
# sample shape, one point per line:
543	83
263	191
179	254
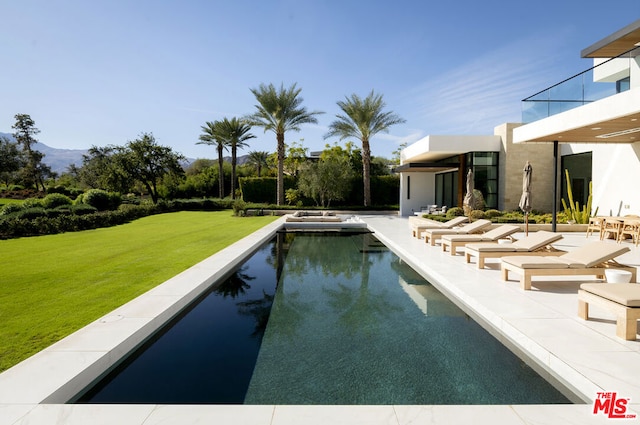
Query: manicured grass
51	286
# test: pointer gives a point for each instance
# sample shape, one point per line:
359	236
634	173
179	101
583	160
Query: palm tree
236	132
279	111
362	119
211	136
258	159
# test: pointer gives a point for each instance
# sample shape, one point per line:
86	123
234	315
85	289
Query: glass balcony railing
603	80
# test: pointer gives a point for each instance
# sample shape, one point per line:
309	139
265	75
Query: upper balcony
607	78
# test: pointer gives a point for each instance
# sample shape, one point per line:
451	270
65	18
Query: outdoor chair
630	227
538	243
621	299
500	232
419	227
589	260
432	235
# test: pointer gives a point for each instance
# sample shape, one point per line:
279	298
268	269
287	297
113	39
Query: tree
148	162
236	133
258	160
34	171
328	179
295	158
279	111
10	160
362	119
211	136
101	169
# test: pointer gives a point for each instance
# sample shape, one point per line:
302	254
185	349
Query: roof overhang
425	167
434	148
614	119
615	44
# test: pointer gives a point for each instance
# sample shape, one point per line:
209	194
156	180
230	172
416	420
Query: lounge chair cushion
627	294
492	247
537	240
530	243
594	253
476	226
586	256
543	262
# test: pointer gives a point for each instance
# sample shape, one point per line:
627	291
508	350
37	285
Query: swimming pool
350	324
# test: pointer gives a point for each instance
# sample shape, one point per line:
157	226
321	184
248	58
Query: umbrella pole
526	224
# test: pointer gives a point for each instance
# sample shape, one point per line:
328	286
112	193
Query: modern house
588	124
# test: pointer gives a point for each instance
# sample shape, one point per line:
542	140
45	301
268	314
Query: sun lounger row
534	255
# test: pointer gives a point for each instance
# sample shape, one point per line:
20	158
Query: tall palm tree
259	159
279	111
362	119
211	136
236	132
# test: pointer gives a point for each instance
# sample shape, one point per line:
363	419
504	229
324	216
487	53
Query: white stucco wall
616	174
422	192
617	69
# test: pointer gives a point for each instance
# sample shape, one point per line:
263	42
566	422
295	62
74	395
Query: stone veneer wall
512	161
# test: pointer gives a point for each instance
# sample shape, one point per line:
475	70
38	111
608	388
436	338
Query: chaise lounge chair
622	299
538	243
588	260
454	241
419	227
478	226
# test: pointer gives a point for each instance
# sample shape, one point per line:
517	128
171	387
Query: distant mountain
57	159
60	159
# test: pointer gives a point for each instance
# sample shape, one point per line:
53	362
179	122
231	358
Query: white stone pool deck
542	324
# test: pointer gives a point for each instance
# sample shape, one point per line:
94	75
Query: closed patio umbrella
469	200
525	199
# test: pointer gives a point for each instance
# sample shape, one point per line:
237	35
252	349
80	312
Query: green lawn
50	286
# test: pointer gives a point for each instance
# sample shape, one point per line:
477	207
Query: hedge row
385	190
45	222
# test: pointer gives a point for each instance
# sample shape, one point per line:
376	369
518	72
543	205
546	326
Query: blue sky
102	72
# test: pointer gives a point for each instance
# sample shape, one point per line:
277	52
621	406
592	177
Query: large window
579	167
485	173
447	189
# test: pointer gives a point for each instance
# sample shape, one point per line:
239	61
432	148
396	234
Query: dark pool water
347	323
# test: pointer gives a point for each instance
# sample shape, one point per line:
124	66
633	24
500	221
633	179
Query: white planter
617	276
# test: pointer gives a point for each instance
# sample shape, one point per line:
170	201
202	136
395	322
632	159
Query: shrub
492	214
101	199
454	212
477	214
54	200
33	203
11	208
32	212
239	207
82	209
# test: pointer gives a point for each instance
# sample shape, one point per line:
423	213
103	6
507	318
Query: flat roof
436	147
615	44
614	119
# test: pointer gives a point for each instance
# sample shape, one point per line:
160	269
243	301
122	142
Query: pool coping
72	363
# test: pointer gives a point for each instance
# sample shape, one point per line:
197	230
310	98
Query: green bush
477	214
454	212
101	199
492	214
32	212
54	200
33	203
82	209
11	208
239	208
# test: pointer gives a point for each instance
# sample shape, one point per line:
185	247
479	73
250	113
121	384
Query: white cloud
487	91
